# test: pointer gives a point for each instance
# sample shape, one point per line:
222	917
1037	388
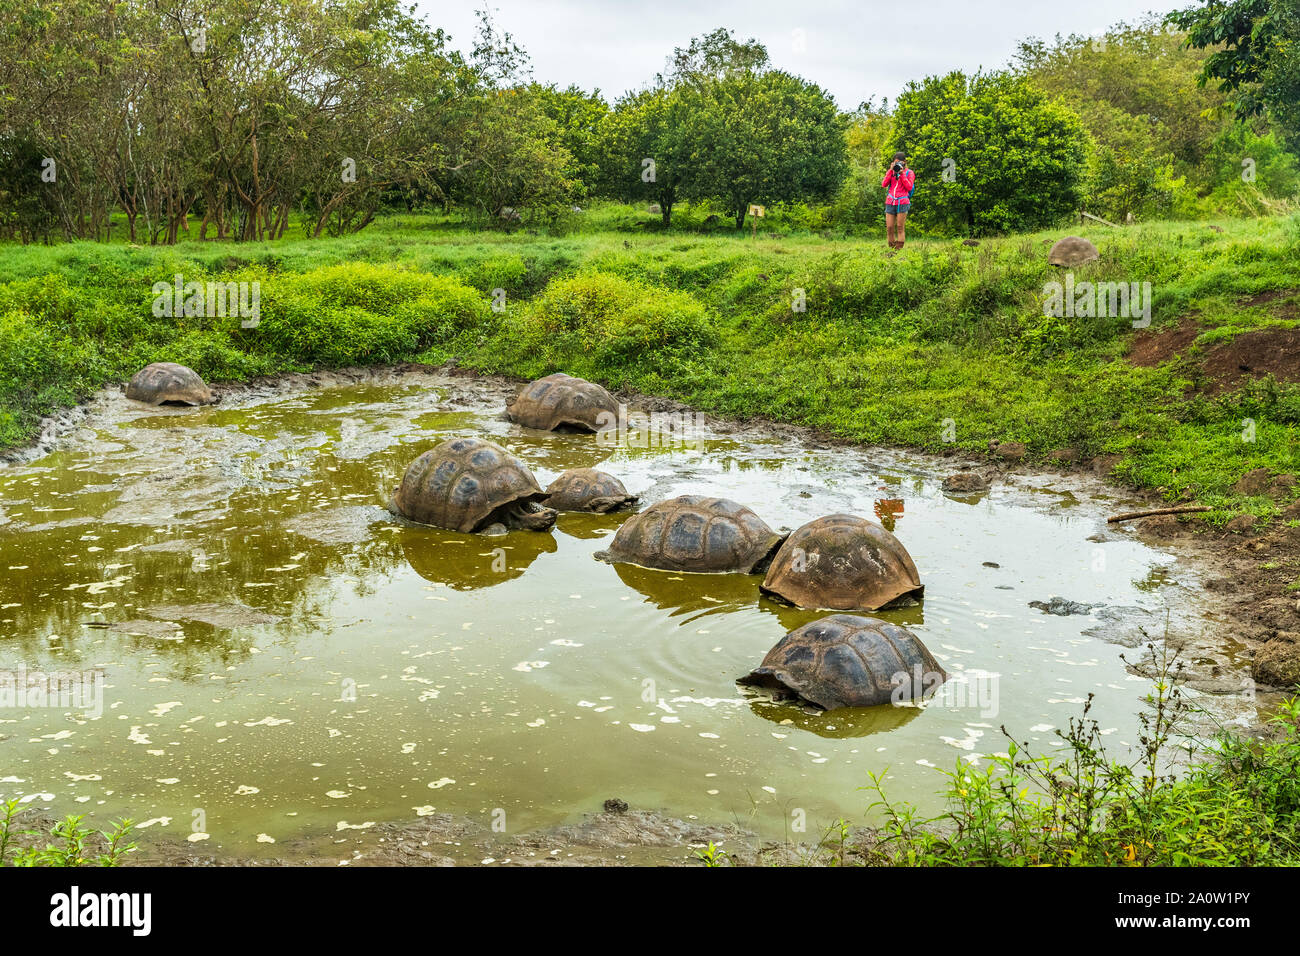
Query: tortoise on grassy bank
468	484
166	383
843	563
1072	251
561	402
697	534
586	489
848	661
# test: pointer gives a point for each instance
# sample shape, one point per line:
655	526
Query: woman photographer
898	185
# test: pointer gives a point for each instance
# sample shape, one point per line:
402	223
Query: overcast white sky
853	49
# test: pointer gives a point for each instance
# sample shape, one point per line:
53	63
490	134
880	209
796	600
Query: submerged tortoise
468	484
1072	251
166	383
695	533
848	661
586	489
843	563
561	401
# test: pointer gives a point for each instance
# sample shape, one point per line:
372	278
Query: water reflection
836	724
467	562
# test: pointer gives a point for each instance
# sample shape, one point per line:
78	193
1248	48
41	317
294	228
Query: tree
1255	58
579	119
862	198
762	138
645	156
1143	70
712	57
991	153
510	156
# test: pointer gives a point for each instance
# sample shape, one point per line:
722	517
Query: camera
898	167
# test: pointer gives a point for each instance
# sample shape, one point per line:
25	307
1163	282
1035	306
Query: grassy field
889	350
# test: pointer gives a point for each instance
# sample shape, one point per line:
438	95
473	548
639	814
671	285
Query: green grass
888	351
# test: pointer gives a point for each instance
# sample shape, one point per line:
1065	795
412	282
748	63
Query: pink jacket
897	187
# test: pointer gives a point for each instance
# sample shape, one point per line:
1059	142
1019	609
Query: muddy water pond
280	656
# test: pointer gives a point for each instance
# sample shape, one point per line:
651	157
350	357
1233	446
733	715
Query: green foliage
646	125
992	154
74	844
759	138
520	161
1080	807
609	326
713	856
1249	174
579	120
1255	58
361	313
862	198
723	127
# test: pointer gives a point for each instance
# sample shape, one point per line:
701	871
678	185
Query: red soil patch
1228	365
1152	347
1253	355
1288	311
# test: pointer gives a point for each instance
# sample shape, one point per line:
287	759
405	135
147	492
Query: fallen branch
1094	218
1179	510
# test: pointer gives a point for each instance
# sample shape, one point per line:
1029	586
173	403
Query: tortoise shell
168	383
843	563
695	533
848	661
462	484
561	401
586	489
1072	251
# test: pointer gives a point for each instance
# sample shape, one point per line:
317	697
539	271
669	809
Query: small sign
758	211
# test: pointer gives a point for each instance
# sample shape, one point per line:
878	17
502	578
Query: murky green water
392	671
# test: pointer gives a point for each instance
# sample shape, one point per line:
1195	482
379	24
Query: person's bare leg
890	229
900	222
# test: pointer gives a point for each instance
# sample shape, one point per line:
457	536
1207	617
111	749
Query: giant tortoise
1072	251
843	563
695	533
848	661
468	484
561	402
586	489
166	383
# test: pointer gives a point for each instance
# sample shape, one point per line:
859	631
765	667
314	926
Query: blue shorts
899	210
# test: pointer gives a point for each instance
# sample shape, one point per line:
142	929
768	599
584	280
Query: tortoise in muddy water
586	489
843	563
467	485
166	383
694	533
848	661
561	402
1072	251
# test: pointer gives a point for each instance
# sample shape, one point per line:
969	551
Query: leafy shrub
75	844
611	323
1080	806
500	272
362	313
